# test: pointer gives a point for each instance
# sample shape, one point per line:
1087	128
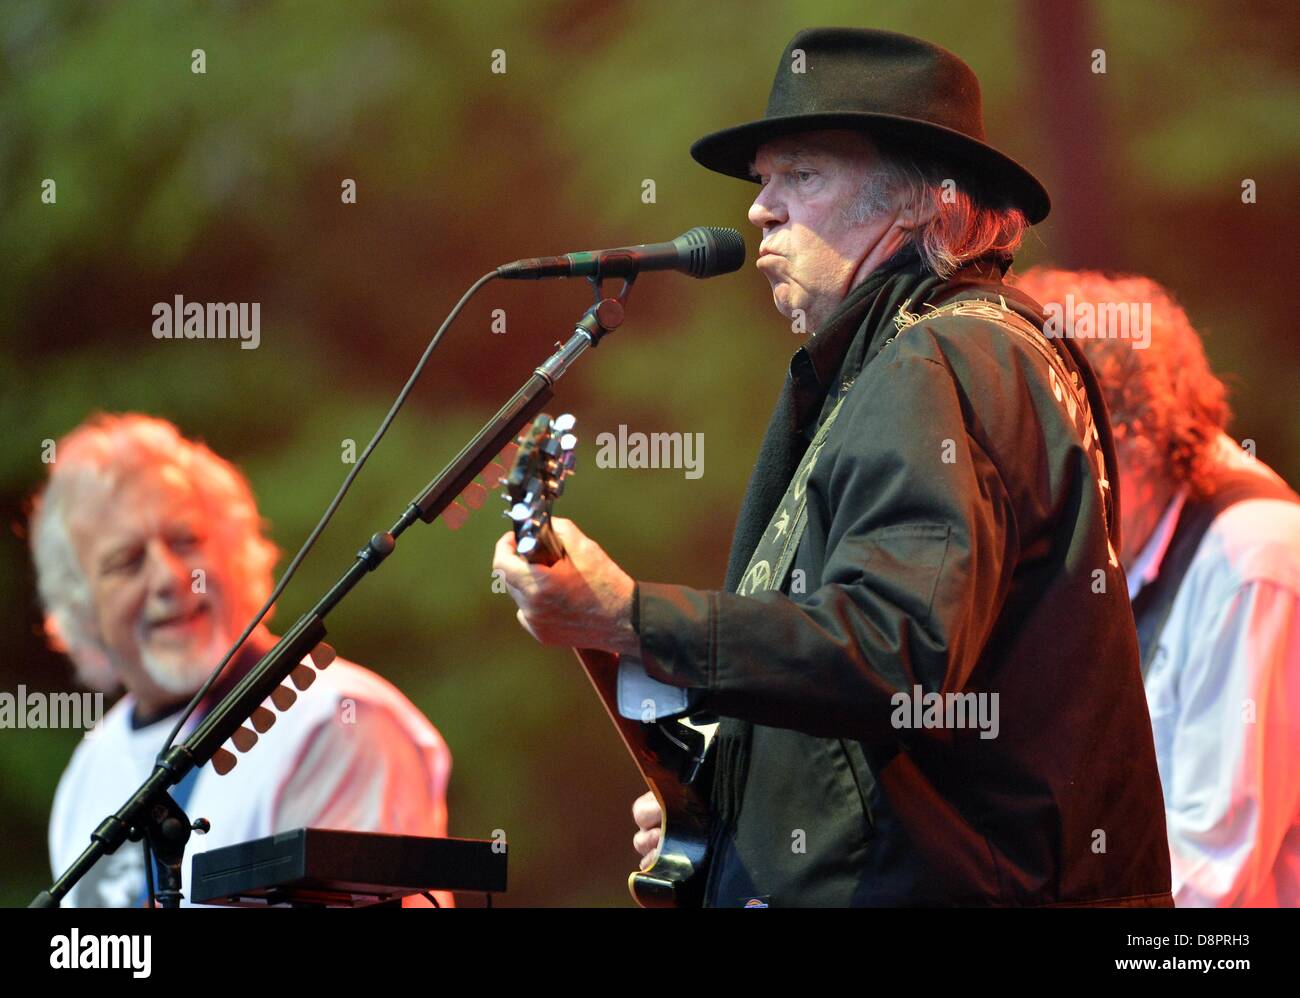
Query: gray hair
89	463
956	226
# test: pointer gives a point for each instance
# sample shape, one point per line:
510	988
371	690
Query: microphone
704	251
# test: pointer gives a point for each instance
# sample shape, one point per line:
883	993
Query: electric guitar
672	755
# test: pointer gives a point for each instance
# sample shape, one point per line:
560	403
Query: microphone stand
151	811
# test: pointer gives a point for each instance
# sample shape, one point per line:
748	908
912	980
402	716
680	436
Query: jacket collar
861	323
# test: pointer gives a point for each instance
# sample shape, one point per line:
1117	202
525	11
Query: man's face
1145	490
813	251
156	575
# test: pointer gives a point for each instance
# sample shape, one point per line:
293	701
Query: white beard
184	671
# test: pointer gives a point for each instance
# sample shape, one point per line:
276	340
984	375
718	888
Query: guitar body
672	755
674	762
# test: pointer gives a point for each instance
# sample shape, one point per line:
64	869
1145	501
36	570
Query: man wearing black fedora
923	658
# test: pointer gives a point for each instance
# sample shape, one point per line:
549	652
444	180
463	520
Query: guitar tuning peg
244	739
223	761
262	719
283	697
303	676
322	655
565	422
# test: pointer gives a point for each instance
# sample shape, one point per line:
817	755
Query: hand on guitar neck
574	594
570	592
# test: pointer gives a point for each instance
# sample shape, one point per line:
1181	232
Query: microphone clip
596	282
606	314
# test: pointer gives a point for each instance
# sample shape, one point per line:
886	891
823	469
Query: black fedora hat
901	90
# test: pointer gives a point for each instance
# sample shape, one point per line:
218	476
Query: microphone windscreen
713	250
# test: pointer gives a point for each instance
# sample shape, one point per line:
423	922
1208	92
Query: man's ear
916	212
54	635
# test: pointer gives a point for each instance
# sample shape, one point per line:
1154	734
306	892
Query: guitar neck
549	550
670	754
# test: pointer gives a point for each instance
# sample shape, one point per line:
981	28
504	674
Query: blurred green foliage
225	186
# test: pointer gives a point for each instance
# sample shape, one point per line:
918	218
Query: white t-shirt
351	753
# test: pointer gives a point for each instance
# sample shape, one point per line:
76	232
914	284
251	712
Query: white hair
955	225
89	463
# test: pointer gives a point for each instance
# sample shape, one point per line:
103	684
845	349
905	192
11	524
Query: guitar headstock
544	460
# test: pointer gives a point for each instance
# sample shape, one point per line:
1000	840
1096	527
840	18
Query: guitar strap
775	552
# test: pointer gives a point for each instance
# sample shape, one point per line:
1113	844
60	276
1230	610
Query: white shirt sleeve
642	698
365	776
1235	786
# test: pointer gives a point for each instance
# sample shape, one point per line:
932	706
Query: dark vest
1155	600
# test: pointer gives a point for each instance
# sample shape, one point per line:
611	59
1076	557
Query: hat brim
731	150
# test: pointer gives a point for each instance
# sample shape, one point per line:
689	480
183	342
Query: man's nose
767	210
168	573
